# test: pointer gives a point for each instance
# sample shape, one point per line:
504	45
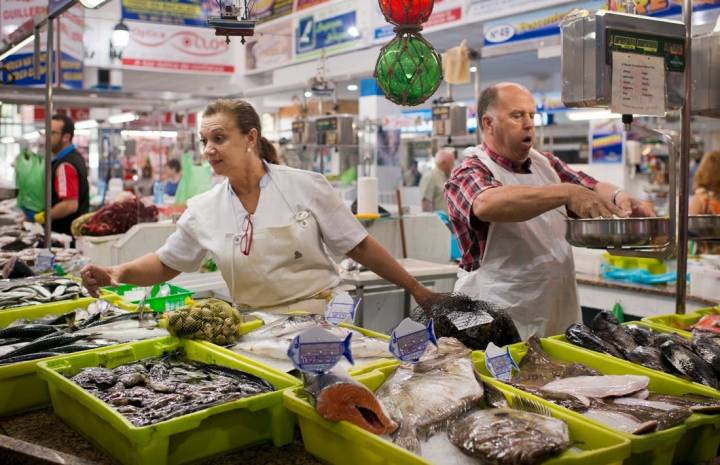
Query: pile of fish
156	389
473	322
269	344
622	402
14	238
29	255
38	290
99	325
697	360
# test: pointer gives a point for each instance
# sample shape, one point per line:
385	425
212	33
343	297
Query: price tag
44	261
341	308
318	350
465	320
499	362
409	340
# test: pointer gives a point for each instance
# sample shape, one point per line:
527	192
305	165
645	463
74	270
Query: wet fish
421	398
622	421
665	418
689	364
709	324
582	336
576	404
289	324
597	387
650	357
26	357
538	369
509	437
694	402
642	335
338	397
656	404
124	329
709	350
76	347
608	328
42	289
28	331
44	344
662	338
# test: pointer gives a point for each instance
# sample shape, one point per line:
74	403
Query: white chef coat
210	216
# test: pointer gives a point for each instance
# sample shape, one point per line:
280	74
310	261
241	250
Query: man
70	190
508	204
432	184
412	175
172	175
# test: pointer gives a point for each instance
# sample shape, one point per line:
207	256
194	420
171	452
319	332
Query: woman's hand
94	277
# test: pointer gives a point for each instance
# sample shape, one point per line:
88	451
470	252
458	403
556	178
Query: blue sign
19	71
312	35
178	12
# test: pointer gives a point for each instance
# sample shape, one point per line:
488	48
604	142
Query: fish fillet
598	387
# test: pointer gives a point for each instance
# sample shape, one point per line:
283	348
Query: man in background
172	174
432	184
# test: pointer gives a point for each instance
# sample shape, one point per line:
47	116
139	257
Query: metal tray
704	227
608	233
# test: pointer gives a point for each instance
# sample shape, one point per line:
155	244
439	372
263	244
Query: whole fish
643	336
45	344
694	402
26	357
509	437
650	357
709	350
538	369
582	336
621	421
597	387
709	324
421	398
656	404
608	328
28	331
338	397
76	347
662	338
665	418
689	364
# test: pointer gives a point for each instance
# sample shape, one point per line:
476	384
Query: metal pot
704	227
607	233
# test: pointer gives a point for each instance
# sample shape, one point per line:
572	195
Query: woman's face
225	147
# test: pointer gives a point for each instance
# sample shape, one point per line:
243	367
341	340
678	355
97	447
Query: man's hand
589	204
94	277
633	206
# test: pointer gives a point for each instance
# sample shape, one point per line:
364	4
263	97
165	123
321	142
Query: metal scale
336	139
588	43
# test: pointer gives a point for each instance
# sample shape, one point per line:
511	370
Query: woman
267	226
706	200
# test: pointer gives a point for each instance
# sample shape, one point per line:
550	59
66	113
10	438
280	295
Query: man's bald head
490	96
445	160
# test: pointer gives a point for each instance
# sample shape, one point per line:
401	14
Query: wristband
615	196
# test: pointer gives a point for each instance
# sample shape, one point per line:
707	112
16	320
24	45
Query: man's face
59	141
510	123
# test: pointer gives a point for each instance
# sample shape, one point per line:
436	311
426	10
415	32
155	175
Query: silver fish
621	421
598	387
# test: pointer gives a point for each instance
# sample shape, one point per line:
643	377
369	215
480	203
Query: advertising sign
19	71
303	4
324	29
479	10
271	46
156	47
269	10
445	12
606	141
178	12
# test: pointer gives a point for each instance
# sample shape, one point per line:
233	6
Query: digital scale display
672	50
326	124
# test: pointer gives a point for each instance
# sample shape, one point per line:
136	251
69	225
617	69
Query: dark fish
537	369
665	418
64	319
608	328
689	364
27	357
582	336
338	397
694	402
509	437
558	398
491	324
643	336
708	350
649	357
76	347
29	331
662	338
113	319
44	344
493	397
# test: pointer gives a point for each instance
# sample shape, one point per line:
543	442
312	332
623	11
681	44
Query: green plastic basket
695	441
681	322
190	438
176	297
343	443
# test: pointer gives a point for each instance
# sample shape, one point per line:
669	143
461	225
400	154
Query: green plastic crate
20	387
343	443
176	297
678	322
190	438
695	441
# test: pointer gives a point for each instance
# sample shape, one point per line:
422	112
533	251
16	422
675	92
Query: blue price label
409	340
317	350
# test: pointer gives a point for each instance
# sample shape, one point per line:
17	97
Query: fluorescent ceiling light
86	124
7	140
352	87
122	118
353	31
473	69
149	134
308	94
587	115
16	48
32	135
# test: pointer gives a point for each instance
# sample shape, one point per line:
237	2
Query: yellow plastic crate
343	443
189	438
651	265
675	322
695	441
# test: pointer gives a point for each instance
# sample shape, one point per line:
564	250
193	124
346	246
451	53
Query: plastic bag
30	181
195	180
209	320
456	64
